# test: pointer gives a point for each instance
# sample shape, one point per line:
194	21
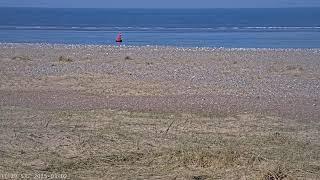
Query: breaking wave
162	29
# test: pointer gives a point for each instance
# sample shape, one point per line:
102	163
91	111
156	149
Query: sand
106	112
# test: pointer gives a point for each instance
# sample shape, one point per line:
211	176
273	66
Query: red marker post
119	38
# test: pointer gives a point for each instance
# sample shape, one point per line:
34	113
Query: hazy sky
161	3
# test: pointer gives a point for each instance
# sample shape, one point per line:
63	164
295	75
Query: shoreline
179	48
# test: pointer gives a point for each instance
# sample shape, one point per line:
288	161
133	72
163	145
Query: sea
229	28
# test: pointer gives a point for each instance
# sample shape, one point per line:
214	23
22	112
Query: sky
160	3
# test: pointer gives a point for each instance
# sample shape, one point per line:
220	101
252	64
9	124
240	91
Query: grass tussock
288	69
22	58
294	68
65	59
277	173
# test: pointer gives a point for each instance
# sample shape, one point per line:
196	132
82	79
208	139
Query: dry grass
131	145
22	58
65	59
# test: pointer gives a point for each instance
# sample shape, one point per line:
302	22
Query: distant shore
139	105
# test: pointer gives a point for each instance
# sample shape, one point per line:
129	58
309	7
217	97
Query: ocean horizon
230	28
